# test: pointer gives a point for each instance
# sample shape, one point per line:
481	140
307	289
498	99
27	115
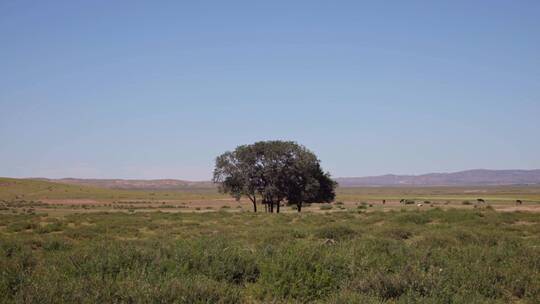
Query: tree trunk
254	201
278	205
299	205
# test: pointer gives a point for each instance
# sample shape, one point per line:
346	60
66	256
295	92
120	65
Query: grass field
66	244
435	256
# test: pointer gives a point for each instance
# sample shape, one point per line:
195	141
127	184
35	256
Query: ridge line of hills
477	177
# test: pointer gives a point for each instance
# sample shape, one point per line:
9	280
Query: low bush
51	227
334	232
21	226
413	217
301	273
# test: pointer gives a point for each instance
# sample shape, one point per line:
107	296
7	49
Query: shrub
300	273
219	259
198	289
386	286
413	217
56	244
51	227
398	233
20	226
334	232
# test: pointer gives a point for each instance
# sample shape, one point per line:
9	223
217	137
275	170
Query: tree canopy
272	172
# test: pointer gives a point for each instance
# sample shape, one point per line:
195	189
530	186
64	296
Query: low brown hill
141	184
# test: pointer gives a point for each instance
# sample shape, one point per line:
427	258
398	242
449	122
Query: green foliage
274	171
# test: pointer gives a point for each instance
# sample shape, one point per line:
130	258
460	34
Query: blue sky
157	89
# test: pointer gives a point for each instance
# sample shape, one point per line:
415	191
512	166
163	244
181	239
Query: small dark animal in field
383	202
519	202
480	201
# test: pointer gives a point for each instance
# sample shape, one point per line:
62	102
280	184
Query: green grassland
433	256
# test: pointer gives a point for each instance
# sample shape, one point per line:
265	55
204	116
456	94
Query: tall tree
236	174
274	171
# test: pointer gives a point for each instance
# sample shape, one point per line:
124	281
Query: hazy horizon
148	91
209	179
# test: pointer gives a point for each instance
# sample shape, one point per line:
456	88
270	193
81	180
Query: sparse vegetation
225	257
138	246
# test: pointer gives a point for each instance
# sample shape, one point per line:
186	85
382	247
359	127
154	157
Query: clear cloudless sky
158	89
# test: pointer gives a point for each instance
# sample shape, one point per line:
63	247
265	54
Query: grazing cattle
519	202
480	201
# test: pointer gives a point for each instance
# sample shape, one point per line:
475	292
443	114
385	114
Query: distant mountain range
478	177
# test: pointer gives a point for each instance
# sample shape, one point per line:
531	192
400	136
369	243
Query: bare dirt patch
531	208
76	202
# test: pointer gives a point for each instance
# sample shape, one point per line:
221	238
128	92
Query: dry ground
23	196
62	206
